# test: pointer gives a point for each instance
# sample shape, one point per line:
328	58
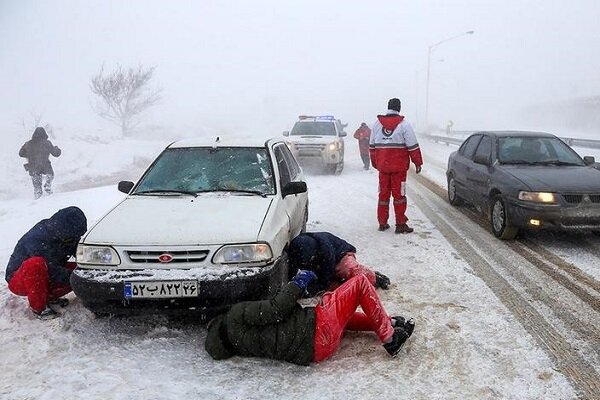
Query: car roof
225	141
515	133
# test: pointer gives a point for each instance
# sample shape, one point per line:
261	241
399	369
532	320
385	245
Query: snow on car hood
182	220
559	178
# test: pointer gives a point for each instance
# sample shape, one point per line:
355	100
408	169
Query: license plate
160	289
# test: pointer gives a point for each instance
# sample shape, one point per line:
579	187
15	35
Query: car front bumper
102	291
325	156
583	216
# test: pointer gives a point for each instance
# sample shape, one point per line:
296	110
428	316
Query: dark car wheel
499	221
453	198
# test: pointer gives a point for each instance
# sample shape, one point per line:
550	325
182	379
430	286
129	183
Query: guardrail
587	143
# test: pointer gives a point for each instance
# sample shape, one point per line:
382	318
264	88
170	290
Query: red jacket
363	135
393	144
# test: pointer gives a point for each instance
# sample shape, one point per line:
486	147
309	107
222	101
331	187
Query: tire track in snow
569	362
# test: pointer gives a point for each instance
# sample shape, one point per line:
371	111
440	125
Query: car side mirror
293	188
125	186
343	133
589	160
481	159
286	133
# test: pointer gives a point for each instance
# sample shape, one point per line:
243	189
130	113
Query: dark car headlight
538	197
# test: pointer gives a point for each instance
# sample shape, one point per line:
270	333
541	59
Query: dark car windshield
204	169
313	128
536	151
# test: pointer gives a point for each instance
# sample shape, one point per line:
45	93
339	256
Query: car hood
558	179
165	220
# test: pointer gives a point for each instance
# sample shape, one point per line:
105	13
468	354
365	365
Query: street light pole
431	47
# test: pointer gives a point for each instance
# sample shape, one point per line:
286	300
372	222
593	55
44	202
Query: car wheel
453	198
499	221
339	168
281	277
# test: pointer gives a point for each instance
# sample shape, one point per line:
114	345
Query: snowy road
495	320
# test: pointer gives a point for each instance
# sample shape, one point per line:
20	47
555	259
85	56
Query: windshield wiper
525	162
233	191
556	162
168	191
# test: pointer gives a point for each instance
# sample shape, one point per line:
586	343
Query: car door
294	204
462	166
480	173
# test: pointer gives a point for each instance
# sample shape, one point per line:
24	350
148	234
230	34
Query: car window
536	150
291	162
313	128
485	147
199	169
468	147
284	171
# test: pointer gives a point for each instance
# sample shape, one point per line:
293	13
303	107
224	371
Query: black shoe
403	228
407	325
398	340
61	302
398	321
381	281
46	314
384	227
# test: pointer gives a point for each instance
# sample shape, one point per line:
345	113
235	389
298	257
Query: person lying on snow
38	266
281	329
332	259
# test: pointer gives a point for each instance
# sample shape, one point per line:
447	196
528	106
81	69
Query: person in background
38	267
332	259
363	134
37	151
393	146
280	328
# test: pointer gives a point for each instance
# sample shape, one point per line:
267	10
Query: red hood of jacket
390	121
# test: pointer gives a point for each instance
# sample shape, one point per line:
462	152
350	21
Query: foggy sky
259	64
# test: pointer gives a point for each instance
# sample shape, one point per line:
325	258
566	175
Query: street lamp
431	47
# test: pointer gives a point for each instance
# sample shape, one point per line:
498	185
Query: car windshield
204	169
313	128
536	151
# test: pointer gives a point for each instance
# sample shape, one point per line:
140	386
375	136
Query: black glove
382	281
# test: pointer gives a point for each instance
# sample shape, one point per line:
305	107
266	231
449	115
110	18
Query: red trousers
392	184
337	312
349	267
31	280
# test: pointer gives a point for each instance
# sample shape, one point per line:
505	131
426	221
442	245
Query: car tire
339	168
501	227
279	278
453	198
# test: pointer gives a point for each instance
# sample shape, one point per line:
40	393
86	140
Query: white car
318	139
207	225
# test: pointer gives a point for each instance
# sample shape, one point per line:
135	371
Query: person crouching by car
38	151
333	260
38	267
281	329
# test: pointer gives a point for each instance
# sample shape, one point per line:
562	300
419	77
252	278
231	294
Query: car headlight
102	255
538	197
243	253
332	146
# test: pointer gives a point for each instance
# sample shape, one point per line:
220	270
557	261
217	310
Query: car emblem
165	258
586	198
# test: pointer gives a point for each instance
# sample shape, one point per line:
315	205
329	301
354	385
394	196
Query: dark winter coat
278	328
319	252
55	239
37	151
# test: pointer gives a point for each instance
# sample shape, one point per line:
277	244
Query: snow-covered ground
467	344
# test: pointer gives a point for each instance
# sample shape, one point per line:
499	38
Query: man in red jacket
363	134
392	147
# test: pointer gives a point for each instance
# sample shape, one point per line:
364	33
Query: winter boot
398	340
384	227
46	314
398	321
407	325
381	281
403	228
61	302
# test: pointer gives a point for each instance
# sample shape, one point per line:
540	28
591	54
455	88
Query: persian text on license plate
160	289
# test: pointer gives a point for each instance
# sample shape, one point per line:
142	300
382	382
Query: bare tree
124	94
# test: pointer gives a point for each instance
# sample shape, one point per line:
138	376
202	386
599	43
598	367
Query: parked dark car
526	180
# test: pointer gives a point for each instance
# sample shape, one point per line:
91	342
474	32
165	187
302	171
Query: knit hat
302	252
394	104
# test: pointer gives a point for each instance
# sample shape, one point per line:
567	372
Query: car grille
178	256
310	147
578	198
